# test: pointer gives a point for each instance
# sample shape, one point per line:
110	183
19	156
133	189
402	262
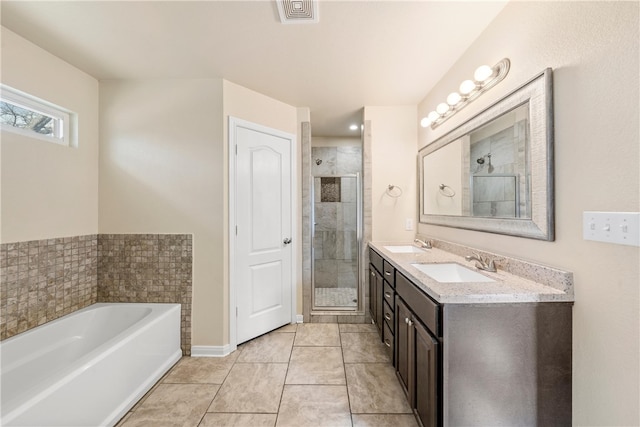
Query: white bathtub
87	368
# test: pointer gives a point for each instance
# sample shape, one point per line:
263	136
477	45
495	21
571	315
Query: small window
30	116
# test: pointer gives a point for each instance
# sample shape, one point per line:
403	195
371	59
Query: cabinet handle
387	273
373	274
406	320
410	322
387	343
387	295
387	316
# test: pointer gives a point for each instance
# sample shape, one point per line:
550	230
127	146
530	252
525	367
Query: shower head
318	162
480	160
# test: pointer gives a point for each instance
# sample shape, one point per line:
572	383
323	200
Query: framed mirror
494	173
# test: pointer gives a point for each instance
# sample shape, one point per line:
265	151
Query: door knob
287	241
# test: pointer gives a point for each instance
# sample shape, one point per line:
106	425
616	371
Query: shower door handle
287	241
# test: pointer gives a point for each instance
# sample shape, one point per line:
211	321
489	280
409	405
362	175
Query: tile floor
299	375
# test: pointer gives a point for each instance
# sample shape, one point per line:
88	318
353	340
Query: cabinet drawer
389	295
376	260
388	340
422	306
387	313
389	273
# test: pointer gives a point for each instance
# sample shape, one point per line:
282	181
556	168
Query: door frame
233	124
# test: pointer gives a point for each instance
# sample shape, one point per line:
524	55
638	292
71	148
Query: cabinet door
372	292
376	298
426	376
379	302
402	336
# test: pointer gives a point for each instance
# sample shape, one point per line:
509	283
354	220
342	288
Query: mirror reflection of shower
337	200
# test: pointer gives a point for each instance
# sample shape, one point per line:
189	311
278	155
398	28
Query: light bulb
467	86
442	108
425	122
353	127
483	73
453	98
433	116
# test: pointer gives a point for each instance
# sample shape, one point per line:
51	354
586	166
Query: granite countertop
537	283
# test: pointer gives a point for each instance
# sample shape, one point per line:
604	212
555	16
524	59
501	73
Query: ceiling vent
298	11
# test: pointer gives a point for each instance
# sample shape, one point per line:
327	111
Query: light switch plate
622	228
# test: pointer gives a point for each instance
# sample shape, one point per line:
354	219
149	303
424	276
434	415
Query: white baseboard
211	350
221	350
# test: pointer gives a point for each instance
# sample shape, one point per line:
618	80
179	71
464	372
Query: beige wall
158	175
162	171
593	50
393	162
49	190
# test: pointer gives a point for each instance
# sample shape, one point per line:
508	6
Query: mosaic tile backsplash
148	268
42	280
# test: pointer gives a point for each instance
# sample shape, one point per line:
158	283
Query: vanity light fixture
353	127
484	78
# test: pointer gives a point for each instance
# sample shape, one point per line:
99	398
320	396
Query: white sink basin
451	273
404	249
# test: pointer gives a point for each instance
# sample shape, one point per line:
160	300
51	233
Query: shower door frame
321	310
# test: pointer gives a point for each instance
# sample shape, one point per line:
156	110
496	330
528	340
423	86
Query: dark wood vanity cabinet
418	356
476	364
382	299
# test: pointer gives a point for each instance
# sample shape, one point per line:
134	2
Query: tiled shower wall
500	185
335	263
335	238
42	280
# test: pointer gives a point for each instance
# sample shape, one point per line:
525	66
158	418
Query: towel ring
446	191
391	193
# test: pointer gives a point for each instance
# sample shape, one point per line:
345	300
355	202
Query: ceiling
373	53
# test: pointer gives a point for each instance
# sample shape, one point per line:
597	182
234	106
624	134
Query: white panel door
263	254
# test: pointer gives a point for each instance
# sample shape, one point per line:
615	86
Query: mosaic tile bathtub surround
148	268
42	280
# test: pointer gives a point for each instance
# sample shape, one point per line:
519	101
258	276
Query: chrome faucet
482	263
423	244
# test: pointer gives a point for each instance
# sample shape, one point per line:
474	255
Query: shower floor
336	297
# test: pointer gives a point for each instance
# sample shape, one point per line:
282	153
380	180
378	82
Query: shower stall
336	224
336	241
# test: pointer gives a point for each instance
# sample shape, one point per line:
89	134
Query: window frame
62	117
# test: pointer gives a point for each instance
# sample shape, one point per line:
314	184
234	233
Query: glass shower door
336	242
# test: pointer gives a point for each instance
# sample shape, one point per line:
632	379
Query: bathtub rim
116	342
